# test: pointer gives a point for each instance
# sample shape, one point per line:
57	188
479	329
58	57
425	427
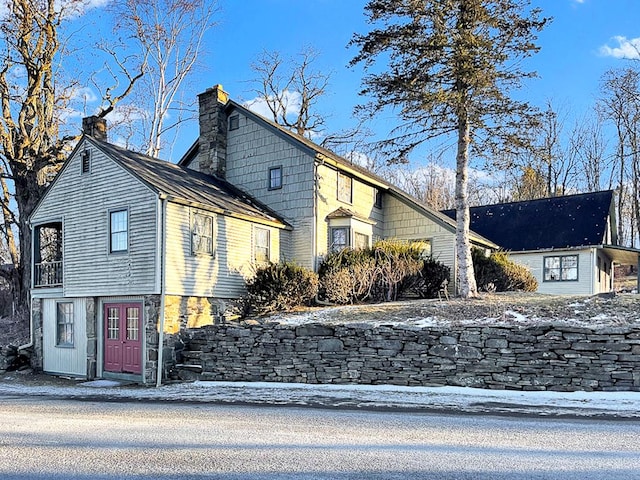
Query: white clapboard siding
83	202
64	360
252	150
586	272
222	274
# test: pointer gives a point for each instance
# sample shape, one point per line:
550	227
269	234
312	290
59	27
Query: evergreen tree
450	66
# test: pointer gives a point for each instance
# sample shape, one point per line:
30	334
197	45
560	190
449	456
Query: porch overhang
622	255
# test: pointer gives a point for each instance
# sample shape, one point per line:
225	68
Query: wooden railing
48	274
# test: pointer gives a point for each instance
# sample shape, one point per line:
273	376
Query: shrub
381	273
281	286
497	273
431	277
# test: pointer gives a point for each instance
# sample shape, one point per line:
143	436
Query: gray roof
188	186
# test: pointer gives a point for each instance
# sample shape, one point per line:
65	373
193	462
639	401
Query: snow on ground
446	399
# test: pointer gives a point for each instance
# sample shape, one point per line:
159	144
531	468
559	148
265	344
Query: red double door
123	337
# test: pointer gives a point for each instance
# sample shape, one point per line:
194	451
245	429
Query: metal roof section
183	185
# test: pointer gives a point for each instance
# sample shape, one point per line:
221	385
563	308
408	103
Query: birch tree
448	67
168	34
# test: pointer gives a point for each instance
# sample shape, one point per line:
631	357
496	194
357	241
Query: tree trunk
466	280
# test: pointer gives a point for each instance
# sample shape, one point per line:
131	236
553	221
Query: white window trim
210	236
257	229
58	324
110	239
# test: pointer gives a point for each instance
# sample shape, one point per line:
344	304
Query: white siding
65	360
83	202
252	150
222	274
586	272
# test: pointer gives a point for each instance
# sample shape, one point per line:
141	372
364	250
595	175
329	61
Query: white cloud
291	103
627	48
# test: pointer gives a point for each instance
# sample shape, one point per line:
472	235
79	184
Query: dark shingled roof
558	222
184	184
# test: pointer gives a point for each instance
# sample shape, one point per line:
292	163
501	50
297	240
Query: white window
262	245
345	188
360	240
202	234
339	238
561	268
64	324
119	231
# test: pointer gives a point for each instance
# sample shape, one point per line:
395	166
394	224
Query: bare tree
291	88
31	147
450	67
620	104
590	146
168	35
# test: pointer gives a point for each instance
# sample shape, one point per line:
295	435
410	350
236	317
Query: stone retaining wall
541	357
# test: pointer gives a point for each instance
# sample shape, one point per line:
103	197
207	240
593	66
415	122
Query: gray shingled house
130	250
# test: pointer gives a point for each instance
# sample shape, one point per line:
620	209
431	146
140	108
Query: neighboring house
129	250
569	243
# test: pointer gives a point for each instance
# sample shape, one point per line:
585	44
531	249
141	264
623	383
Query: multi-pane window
202	234
345	184
275	178
113	323
118	231
64	324
133	323
360	240
262	245
339	238
561	268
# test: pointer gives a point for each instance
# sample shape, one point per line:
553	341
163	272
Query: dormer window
86	161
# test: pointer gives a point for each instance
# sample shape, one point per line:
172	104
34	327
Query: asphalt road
42	438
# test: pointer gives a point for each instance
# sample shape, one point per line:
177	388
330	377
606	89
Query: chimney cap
219	93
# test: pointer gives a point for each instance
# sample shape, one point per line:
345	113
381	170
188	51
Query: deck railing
48	274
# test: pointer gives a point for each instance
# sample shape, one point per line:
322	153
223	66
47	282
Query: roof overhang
622	255
618	254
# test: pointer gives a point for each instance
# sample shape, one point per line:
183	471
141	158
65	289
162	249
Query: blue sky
570	64
577	47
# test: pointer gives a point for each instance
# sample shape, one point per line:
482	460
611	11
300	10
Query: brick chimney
95	127
212	158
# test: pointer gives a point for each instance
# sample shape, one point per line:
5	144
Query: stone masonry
541	357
